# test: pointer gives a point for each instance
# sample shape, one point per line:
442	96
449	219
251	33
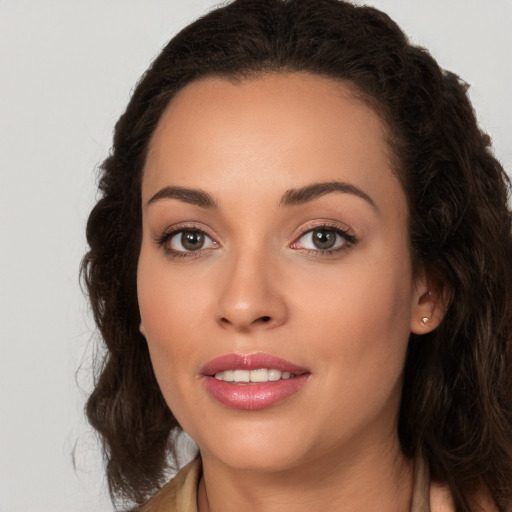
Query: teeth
259	375
228	375
241	376
274	375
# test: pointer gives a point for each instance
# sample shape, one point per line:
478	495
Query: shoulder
180	494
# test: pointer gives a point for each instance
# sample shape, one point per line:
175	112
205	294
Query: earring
425	320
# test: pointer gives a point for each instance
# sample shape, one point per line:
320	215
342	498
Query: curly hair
456	408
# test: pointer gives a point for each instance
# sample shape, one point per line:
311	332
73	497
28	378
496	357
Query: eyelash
350	241
162	240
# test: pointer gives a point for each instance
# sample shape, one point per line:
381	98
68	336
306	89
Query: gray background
66	71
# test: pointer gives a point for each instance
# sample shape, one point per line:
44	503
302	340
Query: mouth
252	381
259	375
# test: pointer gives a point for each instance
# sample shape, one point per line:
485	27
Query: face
275	251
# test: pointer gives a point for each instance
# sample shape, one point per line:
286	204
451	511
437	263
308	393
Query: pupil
324	239
192	240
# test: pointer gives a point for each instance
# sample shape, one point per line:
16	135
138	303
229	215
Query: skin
260	286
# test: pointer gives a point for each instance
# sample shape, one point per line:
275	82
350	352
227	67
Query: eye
324	239
186	241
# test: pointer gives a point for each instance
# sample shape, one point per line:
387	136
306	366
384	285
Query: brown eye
185	241
192	240
323	238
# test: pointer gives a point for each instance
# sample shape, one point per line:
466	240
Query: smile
259	375
253	381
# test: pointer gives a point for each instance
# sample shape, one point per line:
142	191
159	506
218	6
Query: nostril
243	324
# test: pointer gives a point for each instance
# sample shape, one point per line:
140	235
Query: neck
375	480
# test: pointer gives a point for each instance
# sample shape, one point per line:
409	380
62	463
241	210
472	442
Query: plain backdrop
66	71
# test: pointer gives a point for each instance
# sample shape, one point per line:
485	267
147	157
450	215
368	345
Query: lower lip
253	396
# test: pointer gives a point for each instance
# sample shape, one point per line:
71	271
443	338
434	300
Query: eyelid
172	239
328	225
161	239
339	228
318	224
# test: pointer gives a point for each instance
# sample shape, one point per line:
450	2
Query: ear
142	330
430	302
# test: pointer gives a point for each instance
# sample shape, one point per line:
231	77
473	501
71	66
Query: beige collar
180	494
421	490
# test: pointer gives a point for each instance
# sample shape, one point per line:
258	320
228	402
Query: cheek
360	316
362	342
176	314
167	303
165	319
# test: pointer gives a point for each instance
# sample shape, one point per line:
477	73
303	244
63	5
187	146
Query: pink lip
252	396
250	362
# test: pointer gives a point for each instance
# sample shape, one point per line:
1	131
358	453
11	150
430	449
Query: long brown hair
456	408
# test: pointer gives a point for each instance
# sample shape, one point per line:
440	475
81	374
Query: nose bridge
249	295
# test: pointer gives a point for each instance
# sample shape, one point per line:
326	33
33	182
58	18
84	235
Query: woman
302	258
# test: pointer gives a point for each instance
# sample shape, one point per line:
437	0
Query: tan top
180	494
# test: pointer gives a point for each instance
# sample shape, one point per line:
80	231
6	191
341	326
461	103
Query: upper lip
250	362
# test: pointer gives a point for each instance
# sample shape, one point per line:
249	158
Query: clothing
180	494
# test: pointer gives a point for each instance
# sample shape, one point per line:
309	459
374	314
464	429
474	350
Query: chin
254	446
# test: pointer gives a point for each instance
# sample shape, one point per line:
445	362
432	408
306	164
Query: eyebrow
294	197
186	195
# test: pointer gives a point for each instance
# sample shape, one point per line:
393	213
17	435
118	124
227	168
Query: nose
251	295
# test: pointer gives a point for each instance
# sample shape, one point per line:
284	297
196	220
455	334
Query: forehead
265	100
298	127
